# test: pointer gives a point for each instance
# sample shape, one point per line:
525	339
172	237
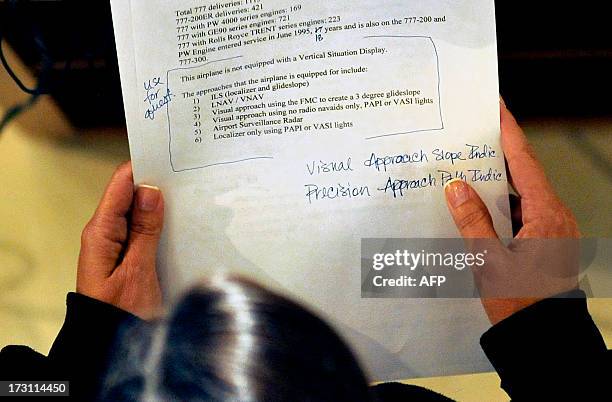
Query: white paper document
283	132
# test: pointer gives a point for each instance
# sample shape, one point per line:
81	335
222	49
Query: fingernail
457	192
147	197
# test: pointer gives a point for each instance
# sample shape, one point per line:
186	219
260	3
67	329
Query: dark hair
232	340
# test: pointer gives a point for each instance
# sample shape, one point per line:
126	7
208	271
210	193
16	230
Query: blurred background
62	132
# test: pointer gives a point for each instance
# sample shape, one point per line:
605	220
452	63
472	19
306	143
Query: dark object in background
77	37
555	58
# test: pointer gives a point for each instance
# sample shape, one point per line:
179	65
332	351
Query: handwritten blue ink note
154	99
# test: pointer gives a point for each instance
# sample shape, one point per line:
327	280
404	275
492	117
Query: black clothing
551	350
80	352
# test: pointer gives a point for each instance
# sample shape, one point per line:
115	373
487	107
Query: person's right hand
119	247
528	270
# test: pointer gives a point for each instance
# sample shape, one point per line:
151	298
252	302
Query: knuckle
561	222
558	220
530	151
94	227
525	152
123	167
124	170
562	218
472	219
88	232
146	228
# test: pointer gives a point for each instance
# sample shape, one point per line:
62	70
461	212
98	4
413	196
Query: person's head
232	340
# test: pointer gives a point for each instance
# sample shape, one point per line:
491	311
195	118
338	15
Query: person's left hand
119	247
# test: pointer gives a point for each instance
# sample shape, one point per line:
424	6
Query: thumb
469	212
146	224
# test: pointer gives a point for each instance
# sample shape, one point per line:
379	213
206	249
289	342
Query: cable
14	111
35	37
39	89
12	74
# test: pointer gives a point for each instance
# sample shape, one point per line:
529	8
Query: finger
469	212
104	235
527	174
119	193
145	226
